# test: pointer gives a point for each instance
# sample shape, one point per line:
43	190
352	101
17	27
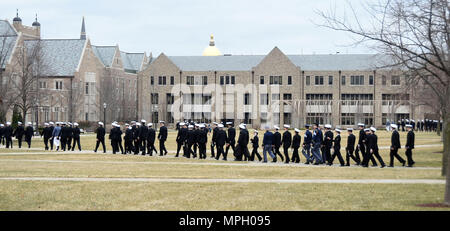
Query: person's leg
286	154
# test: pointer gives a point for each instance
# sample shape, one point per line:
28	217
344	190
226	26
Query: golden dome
211	50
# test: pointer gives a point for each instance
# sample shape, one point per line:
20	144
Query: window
318	99
87	88
395	80
289	80
205	80
169	98
287	118
287	96
321	118
276	80
383	80
357	99
170	118
275	97
343	80
330	80
318	80
247	99
247	118
308	80
172	80
227	80
395	99
206	100
42	84
155	98
233	80
222	80
189	80
261	80
370	79
58	85
348	118
152	80
264	100
162	80
357	80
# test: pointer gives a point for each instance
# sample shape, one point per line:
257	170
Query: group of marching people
7	133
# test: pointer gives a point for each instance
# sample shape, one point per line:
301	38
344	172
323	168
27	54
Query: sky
240	27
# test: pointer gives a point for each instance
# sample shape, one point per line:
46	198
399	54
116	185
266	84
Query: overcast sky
183	27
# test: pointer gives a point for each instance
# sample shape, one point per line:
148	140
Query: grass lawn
84	195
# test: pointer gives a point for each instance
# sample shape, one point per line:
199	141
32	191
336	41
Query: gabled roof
132	61
8	38
105	54
217	63
305	62
60	56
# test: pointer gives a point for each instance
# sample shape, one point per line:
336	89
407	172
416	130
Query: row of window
355	80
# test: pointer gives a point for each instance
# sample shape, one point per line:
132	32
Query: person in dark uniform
277	142
337	149
409	146
119	142
8	133
47	134
65	133
242	144
136	137
143	137
403	125
69	136
372	141
52	127
198	134
395	146
214	138
76	137
317	139
231	142
128	139
181	136
361	143
202	140
255	145
151	137
162	137
328	143
18	133
306	148
351	148
2	136
100	137
287	142
29	132
296	145
221	139
113	136
190	140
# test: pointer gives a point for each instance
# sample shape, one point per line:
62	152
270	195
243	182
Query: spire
36	23
17	19
83	30
211	42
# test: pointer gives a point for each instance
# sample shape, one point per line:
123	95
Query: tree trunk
447	158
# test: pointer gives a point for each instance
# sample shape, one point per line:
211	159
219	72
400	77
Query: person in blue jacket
268	145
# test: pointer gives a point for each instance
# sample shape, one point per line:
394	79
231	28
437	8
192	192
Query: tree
415	34
7	99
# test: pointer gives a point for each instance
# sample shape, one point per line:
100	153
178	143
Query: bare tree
7	99
415	34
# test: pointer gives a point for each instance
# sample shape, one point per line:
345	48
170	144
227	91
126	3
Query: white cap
8	123
191	126
117	125
100	123
2	125
29	123
337	130
76	124
126	124
366	129
394	126
162	122
297	130
287	126
196	125
373	129
51	123
409	126
220	125
201	125
229	123
361	125
182	124
149	124
327	125
143	121
19	123
138	124
242	126
129	128
349	129
256	131
276	127
70	123
215	123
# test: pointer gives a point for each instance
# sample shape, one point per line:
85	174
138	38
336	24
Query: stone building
75	78
339	89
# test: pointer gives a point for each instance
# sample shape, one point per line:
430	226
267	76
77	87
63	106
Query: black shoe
404	163
224	159
274	160
307	162
316	163
348	165
375	165
382	166
342	165
175	155
390	166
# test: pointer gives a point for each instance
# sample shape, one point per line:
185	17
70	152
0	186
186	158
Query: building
73	79
339	89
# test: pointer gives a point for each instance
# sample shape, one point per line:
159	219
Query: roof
105	54
132	61
60	56
8	37
305	62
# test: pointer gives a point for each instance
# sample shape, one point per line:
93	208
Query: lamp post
104	113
